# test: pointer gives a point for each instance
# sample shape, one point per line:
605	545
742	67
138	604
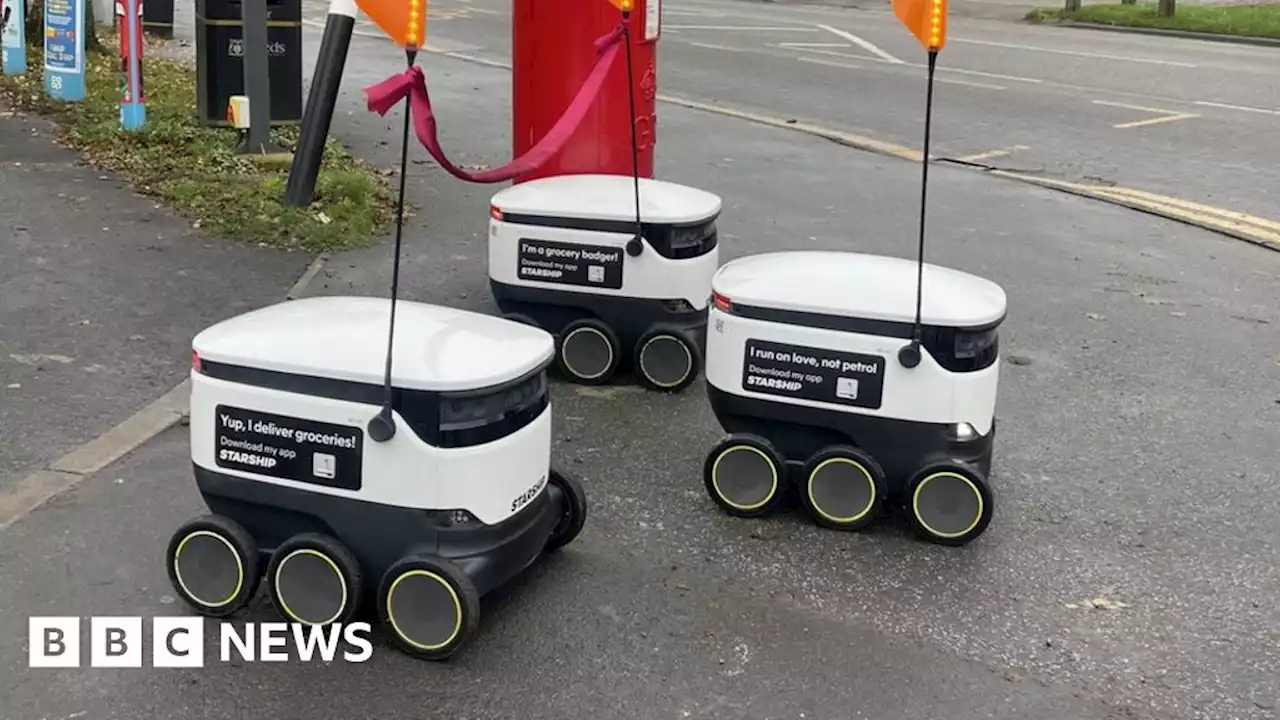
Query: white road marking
771	28
869	47
829	63
709	46
978	73
813	45
949	81
952	81
1237	107
1098	56
1166	115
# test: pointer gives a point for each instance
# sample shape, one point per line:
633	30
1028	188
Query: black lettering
53	637
168	643
115	642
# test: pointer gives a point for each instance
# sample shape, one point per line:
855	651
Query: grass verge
195	170
1244	20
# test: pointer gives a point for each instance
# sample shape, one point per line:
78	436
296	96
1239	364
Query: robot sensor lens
424	610
666	360
841	490
744	477
948	504
310	587
587	353
209	569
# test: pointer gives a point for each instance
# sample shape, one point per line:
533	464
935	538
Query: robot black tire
315	580
429	606
842	488
949	503
666	359
746	476
212	563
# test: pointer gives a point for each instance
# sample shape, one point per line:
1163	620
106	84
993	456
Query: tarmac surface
1188	120
1134	468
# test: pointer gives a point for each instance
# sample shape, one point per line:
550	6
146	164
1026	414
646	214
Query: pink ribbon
412	84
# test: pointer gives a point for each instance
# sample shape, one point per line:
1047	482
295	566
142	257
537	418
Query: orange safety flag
926	19
404	21
623	5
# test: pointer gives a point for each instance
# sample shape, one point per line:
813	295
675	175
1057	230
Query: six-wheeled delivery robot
458	502
565	255
803	370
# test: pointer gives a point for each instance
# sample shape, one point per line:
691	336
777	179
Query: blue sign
15	37
64	49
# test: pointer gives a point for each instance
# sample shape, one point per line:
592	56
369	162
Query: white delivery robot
814	368
565	255
445	495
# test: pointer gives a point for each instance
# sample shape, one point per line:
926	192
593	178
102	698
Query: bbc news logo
179	642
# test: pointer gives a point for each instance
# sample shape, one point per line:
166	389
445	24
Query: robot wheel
213	565
949	503
745	475
666	360
314	580
574	509
588	352
843	488
429	606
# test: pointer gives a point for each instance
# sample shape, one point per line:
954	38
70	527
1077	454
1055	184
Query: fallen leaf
1094	316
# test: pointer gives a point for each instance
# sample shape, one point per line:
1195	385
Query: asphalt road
1186	119
1136	464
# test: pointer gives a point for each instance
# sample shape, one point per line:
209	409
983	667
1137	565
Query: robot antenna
909	355
634	246
383	425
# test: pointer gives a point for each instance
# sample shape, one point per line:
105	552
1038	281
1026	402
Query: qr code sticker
595	273
847	388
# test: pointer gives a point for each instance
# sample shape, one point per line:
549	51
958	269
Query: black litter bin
157	18
220	59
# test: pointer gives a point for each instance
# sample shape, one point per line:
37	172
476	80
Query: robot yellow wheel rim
310	602
756	453
662	361
398	623
843	486
585	332
223	543
958	483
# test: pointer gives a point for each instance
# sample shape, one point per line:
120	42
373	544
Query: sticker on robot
289	448
597	266
817	374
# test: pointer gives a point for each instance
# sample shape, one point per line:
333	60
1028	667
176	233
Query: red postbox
552	54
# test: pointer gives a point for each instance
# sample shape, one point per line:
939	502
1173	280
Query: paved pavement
1136	464
100	293
1190	121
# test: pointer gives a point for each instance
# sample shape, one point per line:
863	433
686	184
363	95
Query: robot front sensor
812	370
304	492
565	255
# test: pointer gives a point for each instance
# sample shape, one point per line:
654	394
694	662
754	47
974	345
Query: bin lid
609	198
345	338
873	287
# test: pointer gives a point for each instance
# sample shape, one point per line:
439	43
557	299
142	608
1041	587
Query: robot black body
564	255
459	502
803	371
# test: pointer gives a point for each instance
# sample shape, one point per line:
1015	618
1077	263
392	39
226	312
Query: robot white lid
874	287
607	197
345	338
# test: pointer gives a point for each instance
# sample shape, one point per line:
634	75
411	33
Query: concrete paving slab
100	294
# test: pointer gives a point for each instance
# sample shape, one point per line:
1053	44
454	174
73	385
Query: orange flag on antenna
926	19
623	5
404	21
